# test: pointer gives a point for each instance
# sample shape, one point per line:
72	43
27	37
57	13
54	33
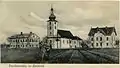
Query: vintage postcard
34	33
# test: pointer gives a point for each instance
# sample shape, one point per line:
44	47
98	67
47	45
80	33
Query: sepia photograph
59	32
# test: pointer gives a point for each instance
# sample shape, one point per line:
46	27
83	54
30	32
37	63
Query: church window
100	38
70	41
55	22
107	38
50	27
107	44
55	27
63	41
67	41
50	33
50	23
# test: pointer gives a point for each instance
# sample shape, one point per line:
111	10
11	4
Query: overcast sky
78	17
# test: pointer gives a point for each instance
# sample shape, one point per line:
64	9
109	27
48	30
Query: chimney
97	28
21	33
30	32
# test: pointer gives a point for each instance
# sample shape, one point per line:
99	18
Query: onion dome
52	16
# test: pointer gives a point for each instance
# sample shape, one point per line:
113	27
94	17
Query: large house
59	39
104	37
24	40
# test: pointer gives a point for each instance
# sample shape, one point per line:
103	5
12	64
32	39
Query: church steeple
52	17
52	24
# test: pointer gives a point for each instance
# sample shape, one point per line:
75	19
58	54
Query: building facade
103	37
59	39
24	40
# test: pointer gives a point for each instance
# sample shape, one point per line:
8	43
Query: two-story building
24	40
104	37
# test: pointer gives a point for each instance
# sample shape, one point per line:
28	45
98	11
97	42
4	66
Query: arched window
55	27
50	23
107	44
100	38
50	33
63	41
50	27
107	38
70	41
23	40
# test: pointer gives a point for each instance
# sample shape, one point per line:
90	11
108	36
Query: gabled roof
65	34
76	38
19	36
22	35
105	31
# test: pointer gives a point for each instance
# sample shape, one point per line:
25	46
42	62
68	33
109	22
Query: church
60	39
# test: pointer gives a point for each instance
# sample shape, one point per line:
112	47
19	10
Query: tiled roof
105	31
22	35
76	38
65	34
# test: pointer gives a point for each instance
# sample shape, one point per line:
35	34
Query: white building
103	37
24	40
59	39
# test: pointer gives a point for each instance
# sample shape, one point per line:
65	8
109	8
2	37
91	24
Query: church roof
105	31
65	34
76	38
68	34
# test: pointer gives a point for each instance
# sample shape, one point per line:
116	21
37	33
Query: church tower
52	25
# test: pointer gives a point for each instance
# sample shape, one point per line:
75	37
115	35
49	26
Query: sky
76	16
